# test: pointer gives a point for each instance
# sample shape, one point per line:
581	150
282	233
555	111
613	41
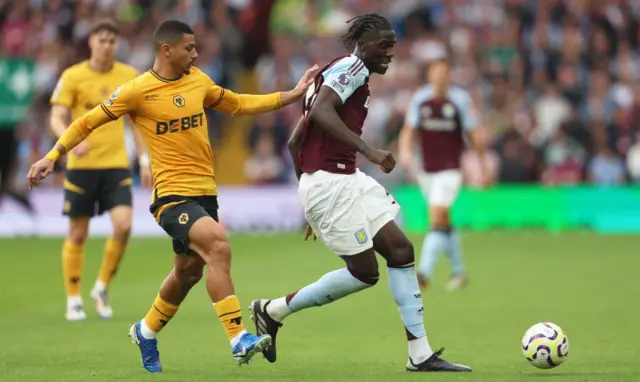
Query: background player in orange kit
98	178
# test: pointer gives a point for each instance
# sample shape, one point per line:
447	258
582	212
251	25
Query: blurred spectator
471	165
269	124
633	160
563	159
265	165
551	109
530	66
516	159
606	168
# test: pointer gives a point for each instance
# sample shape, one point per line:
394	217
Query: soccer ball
545	345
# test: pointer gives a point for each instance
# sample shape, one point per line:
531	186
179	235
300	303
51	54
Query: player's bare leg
121	217
186	273
361	273
395	247
441	238
208	239
208	248
72	261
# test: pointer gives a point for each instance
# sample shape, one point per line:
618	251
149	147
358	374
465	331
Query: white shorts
346	211
440	188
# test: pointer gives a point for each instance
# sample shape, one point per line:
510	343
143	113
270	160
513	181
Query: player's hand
310	233
39	171
309	76
146	179
382	158
81	149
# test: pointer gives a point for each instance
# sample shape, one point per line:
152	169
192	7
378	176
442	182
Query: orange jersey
170	116
80	89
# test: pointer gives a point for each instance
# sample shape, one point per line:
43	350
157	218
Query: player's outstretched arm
324	114
59	121
72	136
243	104
121	102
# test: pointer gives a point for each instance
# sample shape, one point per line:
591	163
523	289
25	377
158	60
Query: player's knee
122	230
219	254
366	276
78	233
439	217
403	254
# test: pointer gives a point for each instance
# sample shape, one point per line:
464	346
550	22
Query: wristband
53	155
143	160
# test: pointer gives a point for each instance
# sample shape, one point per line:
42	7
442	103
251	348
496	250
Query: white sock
146	332
419	350
99	286
278	309
234	341
74	300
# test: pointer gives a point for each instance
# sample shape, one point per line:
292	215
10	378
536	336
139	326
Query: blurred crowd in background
556	82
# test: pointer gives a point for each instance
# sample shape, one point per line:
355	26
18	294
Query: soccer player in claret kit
351	213
98	178
438	118
167	105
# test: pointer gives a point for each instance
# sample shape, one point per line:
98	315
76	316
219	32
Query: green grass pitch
585	283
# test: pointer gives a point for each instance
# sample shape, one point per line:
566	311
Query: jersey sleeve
63	94
121	102
80	129
345	77
468	113
226	101
214	94
412	118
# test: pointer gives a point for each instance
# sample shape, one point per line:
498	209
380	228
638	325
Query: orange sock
160	314
72	259
113	251
228	311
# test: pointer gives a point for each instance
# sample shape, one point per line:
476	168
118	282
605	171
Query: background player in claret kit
167	105
98	178
351	213
437	119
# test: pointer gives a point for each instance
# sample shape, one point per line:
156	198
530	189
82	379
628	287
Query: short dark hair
362	24
105	25
170	32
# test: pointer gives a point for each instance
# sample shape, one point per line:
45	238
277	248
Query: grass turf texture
583	282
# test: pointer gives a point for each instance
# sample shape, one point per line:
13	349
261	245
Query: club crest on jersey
344	79
178	100
183	218
361	236
115	94
448	111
